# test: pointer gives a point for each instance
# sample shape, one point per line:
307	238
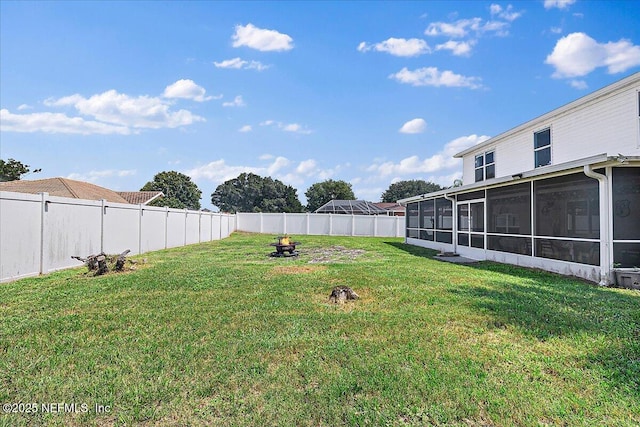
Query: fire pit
285	245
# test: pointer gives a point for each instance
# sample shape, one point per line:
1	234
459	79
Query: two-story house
560	192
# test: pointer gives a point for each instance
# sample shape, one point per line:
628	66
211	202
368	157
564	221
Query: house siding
608	124
559	217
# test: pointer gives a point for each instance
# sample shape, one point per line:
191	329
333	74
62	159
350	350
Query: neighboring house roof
390	206
140	197
357	207
394	208
63	187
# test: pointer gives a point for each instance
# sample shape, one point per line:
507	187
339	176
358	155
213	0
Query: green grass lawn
221	334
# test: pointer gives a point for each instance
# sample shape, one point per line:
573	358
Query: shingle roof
63	187
140	197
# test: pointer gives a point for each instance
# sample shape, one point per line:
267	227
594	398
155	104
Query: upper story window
542	147
485	166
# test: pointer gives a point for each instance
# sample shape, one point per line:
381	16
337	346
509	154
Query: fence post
140	229
284	223
103	211
375	226
308	216
353	224
186	217
330	224
43	228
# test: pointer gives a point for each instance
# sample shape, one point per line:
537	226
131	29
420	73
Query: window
485	167
542	147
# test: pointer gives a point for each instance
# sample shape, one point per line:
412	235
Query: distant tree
322	192
178	189
253	193
403	189
457	183
13	170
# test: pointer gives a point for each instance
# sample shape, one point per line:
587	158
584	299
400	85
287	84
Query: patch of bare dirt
332	254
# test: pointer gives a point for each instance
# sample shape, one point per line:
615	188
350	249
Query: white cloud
245	128
507	14
457	48
123	110
431	76
94	175
237	102
414	126
577	55
456	29
186	89
560	4
278	163
295	128
56	123
578	84
23	107
556	30
261	39
237	63
398	47
461	28
306	167
287	127
440	161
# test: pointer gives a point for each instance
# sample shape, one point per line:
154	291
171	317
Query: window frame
484	166
538	149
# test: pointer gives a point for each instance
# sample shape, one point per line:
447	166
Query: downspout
605	236
454	222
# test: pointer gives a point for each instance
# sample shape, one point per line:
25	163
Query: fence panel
390	226
320	224
204	227
296	223
192	228
121	229
152	229
20	236
40	233
273	223
71	228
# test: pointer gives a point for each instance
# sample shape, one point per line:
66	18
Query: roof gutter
605	235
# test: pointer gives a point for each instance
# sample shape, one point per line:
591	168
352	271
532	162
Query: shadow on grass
547	305
413	250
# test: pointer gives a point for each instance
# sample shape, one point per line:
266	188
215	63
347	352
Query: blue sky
366	92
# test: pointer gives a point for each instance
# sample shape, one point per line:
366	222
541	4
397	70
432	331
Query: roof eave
620	84
600	160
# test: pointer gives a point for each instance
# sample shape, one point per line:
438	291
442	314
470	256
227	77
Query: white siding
607	124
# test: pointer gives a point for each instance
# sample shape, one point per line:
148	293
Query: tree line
247	192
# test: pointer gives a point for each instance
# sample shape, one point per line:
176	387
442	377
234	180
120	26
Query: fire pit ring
285	247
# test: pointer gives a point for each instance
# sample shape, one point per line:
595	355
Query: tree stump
341	294
100	263
120	260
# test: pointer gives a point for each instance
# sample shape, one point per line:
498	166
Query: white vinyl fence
322	224
40	233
